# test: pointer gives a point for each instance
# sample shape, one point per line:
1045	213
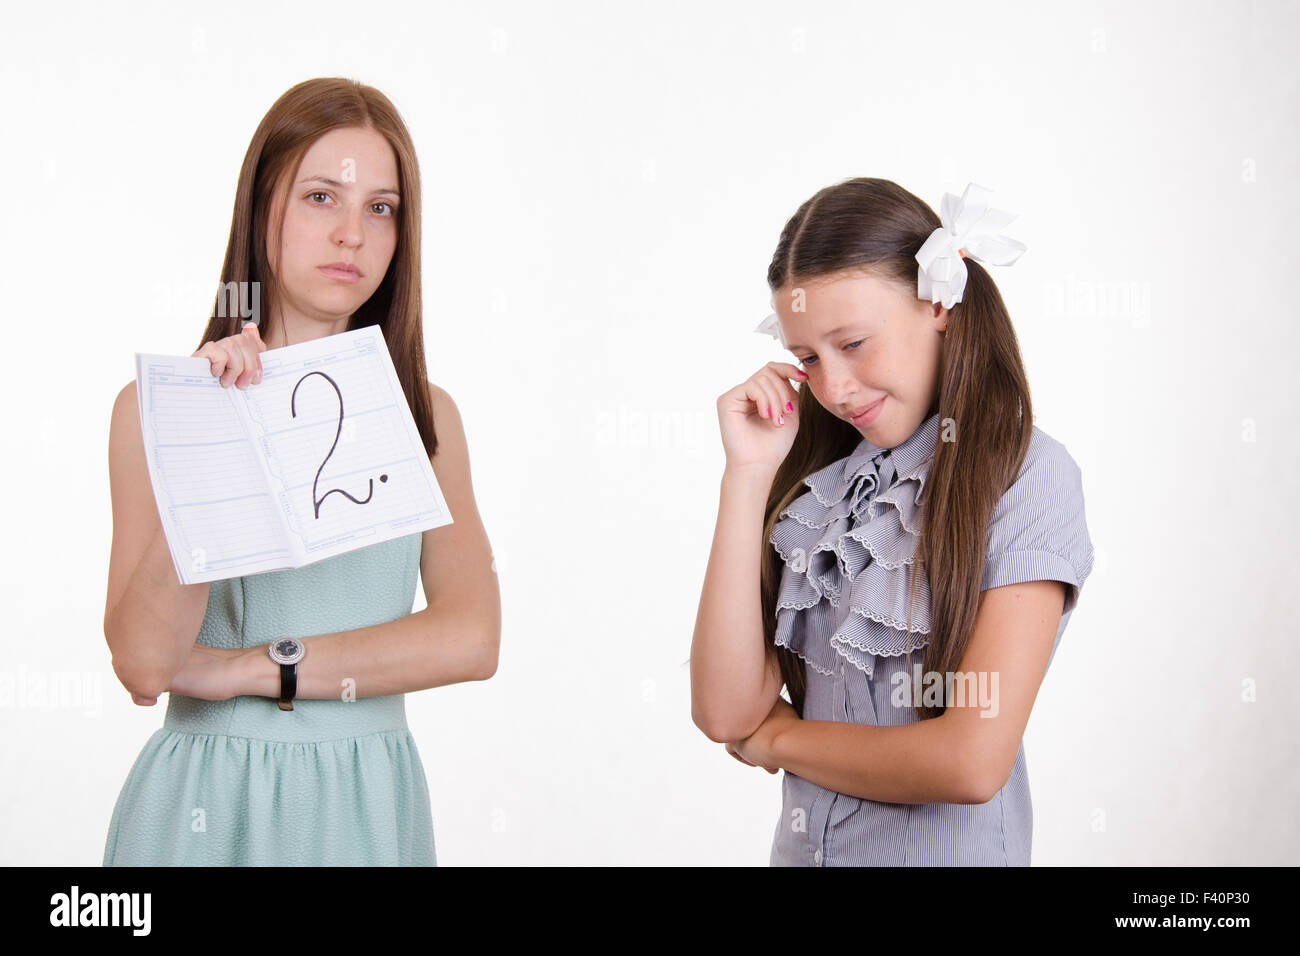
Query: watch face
287	650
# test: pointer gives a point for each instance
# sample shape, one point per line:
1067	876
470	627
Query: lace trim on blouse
852	537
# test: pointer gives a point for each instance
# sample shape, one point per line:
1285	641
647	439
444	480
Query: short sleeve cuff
1016	567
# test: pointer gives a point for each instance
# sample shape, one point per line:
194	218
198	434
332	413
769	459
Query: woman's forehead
350	154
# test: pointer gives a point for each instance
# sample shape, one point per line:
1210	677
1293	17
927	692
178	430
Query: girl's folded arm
963	756
1015	629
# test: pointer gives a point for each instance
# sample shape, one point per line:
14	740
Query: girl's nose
839	384
348	230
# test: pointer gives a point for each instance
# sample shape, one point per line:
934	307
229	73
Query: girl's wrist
255	674
756	475
768	755
776	753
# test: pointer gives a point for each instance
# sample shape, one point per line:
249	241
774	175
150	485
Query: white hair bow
772	326
969	227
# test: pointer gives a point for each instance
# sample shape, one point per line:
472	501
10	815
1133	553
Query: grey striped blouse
842	607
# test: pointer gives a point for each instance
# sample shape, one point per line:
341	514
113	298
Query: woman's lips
340	272
868	415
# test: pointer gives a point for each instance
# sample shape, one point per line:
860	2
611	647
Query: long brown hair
877	226
296	120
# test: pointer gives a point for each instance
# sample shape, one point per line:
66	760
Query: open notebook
320	458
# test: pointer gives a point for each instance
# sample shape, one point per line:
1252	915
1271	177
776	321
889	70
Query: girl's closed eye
813	358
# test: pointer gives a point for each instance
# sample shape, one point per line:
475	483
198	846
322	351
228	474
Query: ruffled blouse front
848	544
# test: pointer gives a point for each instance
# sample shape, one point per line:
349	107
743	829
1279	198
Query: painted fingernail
780	419
769	413
789	407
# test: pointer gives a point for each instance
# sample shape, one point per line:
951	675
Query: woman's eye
808	361
311	195
384	205
853	345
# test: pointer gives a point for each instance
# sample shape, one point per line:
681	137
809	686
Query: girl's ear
940	316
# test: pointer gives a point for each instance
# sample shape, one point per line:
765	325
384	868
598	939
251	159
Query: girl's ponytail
985	424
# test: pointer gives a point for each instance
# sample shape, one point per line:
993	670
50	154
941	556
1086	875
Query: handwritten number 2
294	412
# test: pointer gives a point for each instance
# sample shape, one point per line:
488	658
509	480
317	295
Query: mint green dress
240	782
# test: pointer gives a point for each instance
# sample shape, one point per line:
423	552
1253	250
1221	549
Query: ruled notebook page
214	500
344	458
320	458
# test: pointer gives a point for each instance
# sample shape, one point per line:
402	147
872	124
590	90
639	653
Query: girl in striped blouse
923	543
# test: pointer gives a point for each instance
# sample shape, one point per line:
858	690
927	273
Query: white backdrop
603	190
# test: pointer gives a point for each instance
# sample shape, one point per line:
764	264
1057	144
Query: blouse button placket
840	695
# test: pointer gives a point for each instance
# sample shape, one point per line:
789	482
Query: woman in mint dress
230	778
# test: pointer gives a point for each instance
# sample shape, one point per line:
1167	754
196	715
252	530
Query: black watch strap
288	685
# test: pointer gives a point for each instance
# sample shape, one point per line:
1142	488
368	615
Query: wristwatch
287	652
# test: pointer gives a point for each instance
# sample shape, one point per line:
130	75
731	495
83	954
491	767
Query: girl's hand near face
760	416
235	358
